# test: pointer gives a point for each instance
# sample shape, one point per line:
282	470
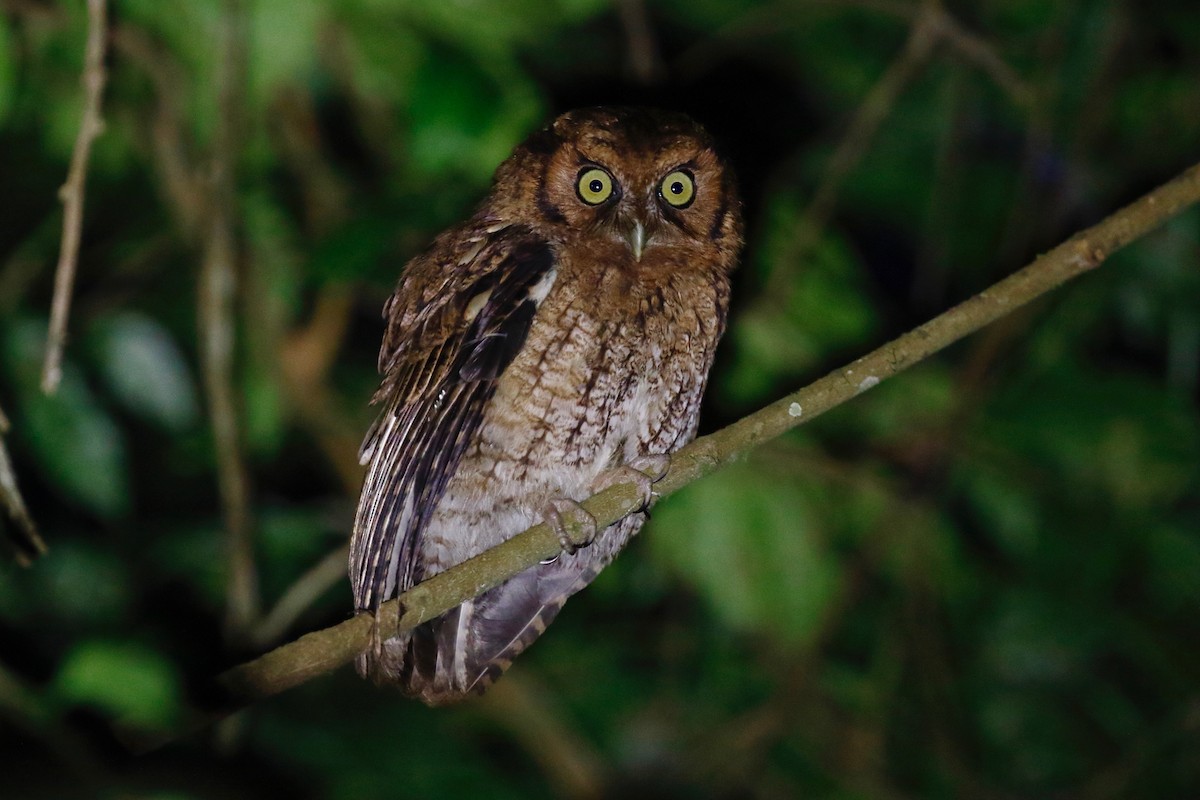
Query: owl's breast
610	369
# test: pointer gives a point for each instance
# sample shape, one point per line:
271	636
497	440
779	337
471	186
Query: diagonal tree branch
328	649
323	651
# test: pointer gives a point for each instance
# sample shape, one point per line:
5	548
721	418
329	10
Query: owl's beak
636	237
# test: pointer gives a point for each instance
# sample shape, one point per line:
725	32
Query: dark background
980	579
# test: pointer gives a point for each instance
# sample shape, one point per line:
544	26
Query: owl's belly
502	486
560	417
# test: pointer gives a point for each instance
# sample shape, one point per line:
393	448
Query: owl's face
642	179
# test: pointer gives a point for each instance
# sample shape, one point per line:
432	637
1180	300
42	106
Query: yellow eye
678	189
594	186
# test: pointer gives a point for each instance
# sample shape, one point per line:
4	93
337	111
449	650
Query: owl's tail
465	650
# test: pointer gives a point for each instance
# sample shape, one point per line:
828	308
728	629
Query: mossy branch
325	650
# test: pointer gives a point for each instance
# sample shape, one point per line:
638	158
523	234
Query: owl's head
643	178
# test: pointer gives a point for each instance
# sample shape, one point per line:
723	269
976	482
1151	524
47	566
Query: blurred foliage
980	579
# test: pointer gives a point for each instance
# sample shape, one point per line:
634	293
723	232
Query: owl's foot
576	527
571	522
643	472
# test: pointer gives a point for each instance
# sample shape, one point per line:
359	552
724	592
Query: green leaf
753	546
81	582
76	442
1008	507
467	118
193	557
126	680
290	540
146	370
283	42
188	31
1117	436
825	310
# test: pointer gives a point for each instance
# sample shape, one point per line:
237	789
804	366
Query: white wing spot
475	250
538	292
476	305
867	383
794	410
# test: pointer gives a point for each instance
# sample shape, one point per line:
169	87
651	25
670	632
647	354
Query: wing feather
442	355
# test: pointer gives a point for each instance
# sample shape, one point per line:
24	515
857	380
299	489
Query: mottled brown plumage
562	331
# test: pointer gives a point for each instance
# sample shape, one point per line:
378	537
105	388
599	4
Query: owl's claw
576	527
571	522
643	472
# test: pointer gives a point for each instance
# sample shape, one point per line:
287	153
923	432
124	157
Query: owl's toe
571	522
653	465
643	472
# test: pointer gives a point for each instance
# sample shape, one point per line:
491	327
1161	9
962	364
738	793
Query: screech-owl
565	330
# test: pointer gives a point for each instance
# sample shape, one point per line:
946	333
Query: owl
558	337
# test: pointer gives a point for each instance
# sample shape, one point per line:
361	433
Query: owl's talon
643	472
573	533
653	465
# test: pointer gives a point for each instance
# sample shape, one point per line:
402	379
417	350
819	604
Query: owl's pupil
596	185
677	187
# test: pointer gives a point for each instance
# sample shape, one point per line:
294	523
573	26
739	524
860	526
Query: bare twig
639	39
765	20
26	709
305	358
180	184
325	650
976	50
32	9
570	763
72	192
218	286
299	596
304	355
25	541
872	111
930	25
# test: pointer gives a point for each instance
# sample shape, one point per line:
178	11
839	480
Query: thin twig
72	193
978	51
305	358
32	9
21	533
25	708
769	19
323	651
572	765
872	111
299	596
929	26
182	188
639	39
217	289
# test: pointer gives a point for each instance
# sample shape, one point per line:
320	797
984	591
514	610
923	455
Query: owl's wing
453	329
